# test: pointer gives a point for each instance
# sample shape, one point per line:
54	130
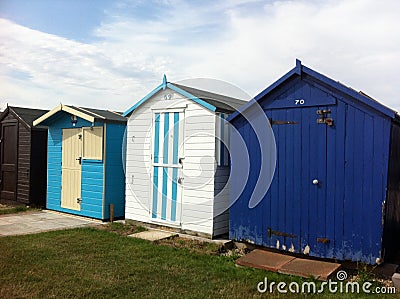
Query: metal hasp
323	240
281	122
323	117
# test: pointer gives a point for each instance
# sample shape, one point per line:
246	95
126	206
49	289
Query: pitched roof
211	101
25	115
221	102
88	114
300	69
106	114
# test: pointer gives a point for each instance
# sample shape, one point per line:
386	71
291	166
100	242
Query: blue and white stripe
166	192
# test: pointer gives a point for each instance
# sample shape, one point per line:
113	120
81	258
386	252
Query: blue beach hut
335	190
85	164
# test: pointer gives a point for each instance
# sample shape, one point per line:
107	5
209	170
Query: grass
93	263
12	210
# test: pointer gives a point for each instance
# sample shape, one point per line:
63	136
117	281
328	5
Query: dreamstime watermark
309	287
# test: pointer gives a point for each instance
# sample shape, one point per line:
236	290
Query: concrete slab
396	280
153	235
41	221
266	260
309	268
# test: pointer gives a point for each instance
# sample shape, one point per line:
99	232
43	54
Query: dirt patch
123	229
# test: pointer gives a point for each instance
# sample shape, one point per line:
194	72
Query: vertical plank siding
114	176
341	217
23	175
92	173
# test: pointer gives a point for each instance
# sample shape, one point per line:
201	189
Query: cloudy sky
109	54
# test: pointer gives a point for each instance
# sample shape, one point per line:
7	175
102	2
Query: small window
93	143
222	140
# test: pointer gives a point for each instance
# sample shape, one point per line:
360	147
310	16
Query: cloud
43	69
247	43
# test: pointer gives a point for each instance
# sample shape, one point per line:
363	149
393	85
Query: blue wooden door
167	166
297	198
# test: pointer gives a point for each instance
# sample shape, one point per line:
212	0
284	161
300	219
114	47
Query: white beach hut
177	164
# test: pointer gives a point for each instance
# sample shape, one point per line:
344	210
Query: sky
109	54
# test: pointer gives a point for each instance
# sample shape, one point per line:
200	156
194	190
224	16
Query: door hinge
323	117
281	122
280	234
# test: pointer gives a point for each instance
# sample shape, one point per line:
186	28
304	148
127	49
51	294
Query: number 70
299	102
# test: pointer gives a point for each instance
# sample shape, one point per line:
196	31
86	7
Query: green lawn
95	263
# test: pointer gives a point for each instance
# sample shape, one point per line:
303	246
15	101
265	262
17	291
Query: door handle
180	180
79	159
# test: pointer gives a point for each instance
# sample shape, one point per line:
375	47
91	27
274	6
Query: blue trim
134	107
165	143
156	137
164	82
175	170
165	169
155	192
163	86
363	99
155	172
262	94
300	69
192	97
176	138
164	194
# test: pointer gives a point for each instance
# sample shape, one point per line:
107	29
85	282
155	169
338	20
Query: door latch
323	117
180	180
78	200
79	159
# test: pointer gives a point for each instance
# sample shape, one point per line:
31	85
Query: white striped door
167	166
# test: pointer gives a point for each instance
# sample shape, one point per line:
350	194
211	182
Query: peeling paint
291	249
277	244
284	247
306	250
250	241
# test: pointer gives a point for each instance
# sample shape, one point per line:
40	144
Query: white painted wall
198	206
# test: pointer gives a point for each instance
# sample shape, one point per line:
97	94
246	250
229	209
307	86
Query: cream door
71	169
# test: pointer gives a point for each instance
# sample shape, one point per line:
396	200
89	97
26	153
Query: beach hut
23	157
335	189
85	173
177	164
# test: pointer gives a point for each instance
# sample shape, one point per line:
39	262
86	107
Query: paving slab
41	221
153	235
309	268
396	280
266	260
